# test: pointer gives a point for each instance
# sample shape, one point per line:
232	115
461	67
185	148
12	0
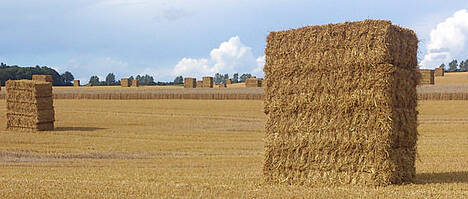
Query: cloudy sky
165	38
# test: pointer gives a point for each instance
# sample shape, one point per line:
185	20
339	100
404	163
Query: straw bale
228	81
208	82
222	85
439	72
190	82
89	85
253	82
42	78
341	104
427	76
29	105
200	84
135	83
76	83
125	82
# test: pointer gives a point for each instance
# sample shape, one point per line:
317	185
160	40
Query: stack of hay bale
135	83
76	83
427	76
29	105
341	104
42	78
125	82
190	82
228	81
439	72
200	84
222	85
207	82
253	82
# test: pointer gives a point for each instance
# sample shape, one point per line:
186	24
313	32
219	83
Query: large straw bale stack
253	82
341	104
190	82
135	83
200	84
439	72
125	82
29	105
427	76
228	81
43	78
208	82
76	83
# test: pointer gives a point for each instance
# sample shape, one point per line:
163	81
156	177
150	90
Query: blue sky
195	38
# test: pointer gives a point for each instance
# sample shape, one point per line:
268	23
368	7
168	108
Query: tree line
454	66
15	72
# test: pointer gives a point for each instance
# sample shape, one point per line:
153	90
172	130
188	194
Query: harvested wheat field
198	149
452	78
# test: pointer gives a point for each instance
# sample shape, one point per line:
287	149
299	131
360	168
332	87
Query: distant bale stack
43	78
135	83
341	104
125	82
439	72
253	82
199	84
207	82
89	85
29	105
222	85
190	82
228	81
427	76
76	83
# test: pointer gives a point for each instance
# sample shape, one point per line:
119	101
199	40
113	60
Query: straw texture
125	82
427	76
190	82
76	83
439	72
29	105
253	82
42	78
341	104
135	83
208	82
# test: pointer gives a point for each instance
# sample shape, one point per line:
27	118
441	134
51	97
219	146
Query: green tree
94	80
179	80
235	78
110	79
67	77
464	67
244	77
453	65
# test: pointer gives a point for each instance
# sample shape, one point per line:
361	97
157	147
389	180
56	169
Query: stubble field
198	149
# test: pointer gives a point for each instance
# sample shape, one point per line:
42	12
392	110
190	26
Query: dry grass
452	78
197	149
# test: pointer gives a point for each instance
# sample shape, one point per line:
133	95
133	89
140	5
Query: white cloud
448	40
230	57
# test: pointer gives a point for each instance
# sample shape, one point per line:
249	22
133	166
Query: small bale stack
29	105
200	84
89	85
439	72
208	82
222	85
125	82
253	82
341	104
76	83
135	83
427	76
190	82
42	78
228	81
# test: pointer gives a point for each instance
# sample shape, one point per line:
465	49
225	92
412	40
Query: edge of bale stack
439	72
253	82
76	83
341	104
135	83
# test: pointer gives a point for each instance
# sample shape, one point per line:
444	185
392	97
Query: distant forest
16	72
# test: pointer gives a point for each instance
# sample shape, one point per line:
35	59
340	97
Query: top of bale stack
43	78
38	89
